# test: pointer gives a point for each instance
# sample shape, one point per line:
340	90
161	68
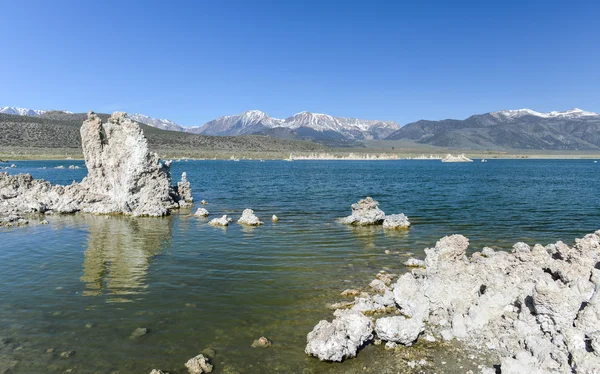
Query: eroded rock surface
198	365
248	218
366	212
223	221
123	177
537	308
340	338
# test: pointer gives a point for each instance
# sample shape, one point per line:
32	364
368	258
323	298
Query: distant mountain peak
517	113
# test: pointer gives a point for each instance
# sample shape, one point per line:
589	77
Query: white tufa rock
365	212
274	218
248	218
340	338
223	221
201	212
123	177
396	221
537	308
457	158
198	365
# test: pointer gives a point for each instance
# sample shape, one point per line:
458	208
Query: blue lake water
84	283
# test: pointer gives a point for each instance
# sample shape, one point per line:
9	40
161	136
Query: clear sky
392	60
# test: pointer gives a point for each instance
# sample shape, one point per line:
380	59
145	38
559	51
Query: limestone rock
399	329
123	177
184	189
457	158
223	221
275	218
198	365
201	212
365	212
413	262
248	218
261	342
396	221
341	338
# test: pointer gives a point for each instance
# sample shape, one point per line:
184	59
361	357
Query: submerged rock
248	218
198	365
139	332
201	212
261	342
340	338
396	221
365	212
123	177
223	221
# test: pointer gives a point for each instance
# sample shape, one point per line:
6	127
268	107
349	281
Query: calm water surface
84	283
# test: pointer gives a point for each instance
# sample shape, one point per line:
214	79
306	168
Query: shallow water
85	283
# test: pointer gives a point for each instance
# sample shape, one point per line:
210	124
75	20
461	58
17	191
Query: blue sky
391	60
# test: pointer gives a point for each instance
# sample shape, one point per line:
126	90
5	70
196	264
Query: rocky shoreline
537	309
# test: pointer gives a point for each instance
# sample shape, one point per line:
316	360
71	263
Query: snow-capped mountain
573	129
164	124
518	113
24	111
249	122
318	125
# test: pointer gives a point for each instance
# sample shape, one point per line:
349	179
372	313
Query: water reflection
119	252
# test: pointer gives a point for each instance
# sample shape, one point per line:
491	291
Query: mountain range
573	129
524	129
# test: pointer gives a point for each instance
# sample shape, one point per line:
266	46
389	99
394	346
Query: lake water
84	283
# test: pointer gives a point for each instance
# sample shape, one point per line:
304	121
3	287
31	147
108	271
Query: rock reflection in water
119	253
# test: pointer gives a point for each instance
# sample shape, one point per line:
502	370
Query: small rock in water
50	350
156	371
365	212
43	222
396	221
387	252
390	345
13	166
204	202
201	212
274	218
199	365
350	292
139	332
67	354
89	325
261	342
223	221
248	218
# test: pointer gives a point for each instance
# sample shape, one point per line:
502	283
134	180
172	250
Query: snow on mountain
23	111
517	113
163	124
255	121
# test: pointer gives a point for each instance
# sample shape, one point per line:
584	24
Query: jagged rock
274	218
378	285
537	308
365	212
201	212
341	338
396	221
248	218
223	221
261	342
399	329
185	191
123	177
198	365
